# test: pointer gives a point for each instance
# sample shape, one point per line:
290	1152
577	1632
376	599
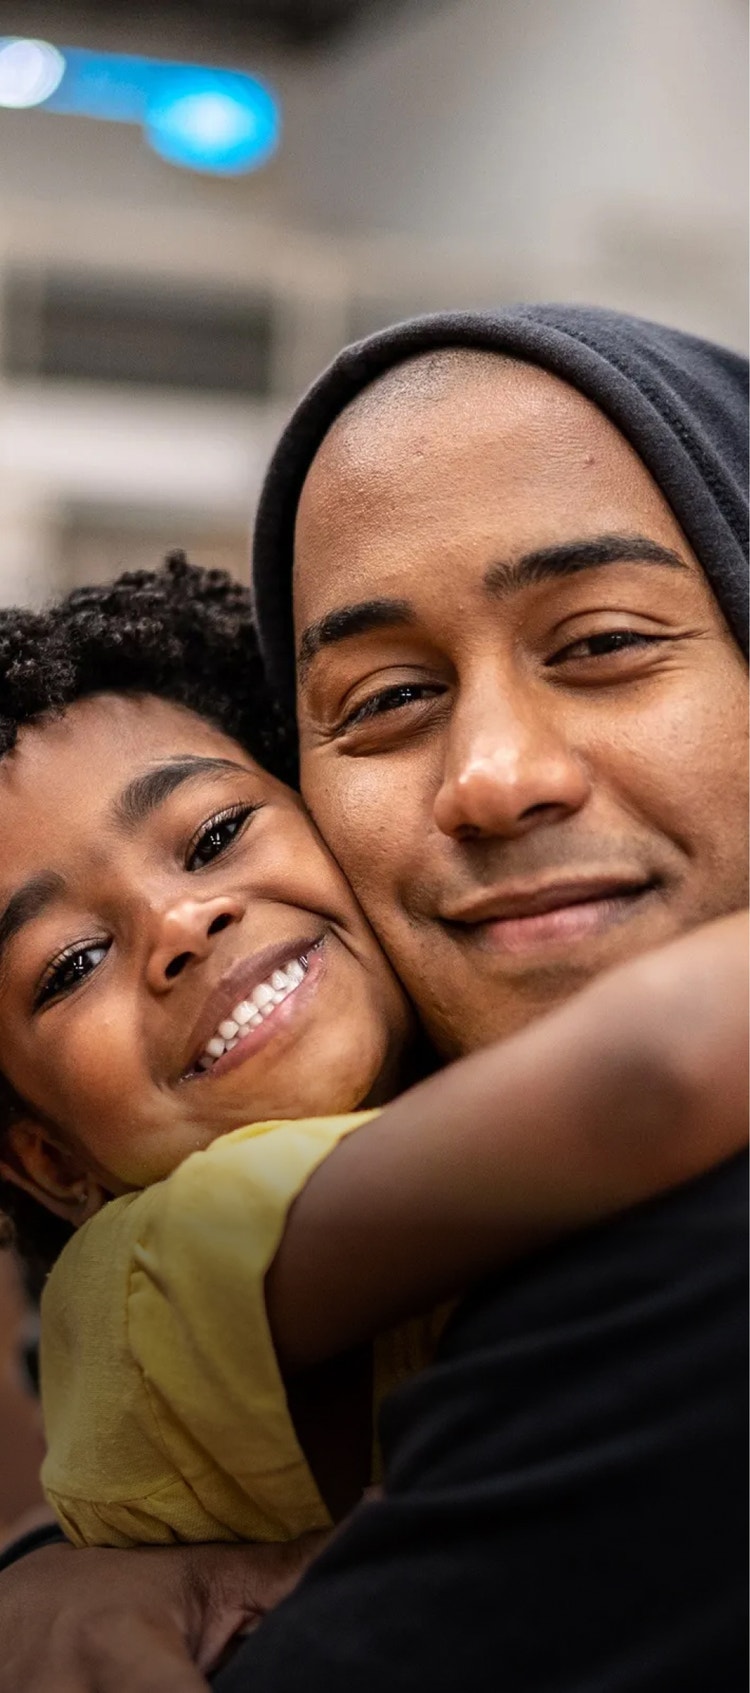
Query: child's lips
244	1009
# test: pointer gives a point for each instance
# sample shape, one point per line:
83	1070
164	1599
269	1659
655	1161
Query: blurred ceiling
286	23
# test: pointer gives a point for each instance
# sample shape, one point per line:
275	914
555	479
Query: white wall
543	145
595	146
472	151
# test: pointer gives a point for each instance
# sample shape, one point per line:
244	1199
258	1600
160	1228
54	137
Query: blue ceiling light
219	121
213	120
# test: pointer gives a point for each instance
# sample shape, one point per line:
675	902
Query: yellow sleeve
223	1459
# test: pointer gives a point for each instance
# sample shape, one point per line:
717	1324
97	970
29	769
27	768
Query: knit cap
680	401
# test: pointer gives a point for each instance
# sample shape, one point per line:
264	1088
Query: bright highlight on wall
204	119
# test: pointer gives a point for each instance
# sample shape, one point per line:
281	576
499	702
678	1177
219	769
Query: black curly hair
181	633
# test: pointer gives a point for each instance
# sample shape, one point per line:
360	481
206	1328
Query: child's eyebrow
145	793
26	904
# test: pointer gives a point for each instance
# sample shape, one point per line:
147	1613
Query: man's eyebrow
27	903
350	620
502	579
146	792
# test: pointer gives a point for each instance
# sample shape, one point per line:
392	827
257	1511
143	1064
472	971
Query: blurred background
157	318
183	247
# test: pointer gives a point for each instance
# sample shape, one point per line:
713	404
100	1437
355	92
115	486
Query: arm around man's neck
635	1085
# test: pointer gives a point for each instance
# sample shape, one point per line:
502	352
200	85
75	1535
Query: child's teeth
250	1013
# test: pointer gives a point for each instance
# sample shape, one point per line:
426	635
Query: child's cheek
108	1096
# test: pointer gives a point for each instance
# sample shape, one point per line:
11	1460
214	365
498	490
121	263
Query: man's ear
32	1160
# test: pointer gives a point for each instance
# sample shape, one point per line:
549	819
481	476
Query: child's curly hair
181	633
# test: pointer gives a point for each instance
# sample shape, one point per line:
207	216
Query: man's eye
215	836
604	645
66	973
391	699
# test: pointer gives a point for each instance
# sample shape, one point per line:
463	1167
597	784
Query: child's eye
66	973
214	837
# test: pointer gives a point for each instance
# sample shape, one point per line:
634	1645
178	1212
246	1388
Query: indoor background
162	303
157	320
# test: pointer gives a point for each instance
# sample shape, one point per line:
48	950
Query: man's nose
185	933
509	766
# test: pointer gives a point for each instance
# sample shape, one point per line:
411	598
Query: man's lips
531	899
238	983
519	917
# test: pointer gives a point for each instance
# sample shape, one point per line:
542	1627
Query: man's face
522	717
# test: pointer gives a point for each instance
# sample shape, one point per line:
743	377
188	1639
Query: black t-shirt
566	1505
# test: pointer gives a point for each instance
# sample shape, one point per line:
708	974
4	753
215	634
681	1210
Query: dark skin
128	919
107	984
134	918
531	772
537	729
638	1083
181	862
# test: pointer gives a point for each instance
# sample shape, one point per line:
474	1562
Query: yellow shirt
165	1411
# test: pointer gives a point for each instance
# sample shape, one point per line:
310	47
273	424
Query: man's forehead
422	386
535	465
421	419
430	376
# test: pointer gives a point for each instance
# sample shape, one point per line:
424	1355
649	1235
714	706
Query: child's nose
186	934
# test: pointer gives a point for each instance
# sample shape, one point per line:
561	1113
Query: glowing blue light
205	119
219	123
29	72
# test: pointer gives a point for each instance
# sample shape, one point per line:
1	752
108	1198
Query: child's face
152	877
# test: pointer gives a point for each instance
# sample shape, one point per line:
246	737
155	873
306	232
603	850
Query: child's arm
637	1084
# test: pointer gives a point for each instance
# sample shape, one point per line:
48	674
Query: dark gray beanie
680	401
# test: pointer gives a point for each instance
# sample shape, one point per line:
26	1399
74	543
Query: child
194	1020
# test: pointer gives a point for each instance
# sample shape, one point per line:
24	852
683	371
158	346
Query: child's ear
31	1160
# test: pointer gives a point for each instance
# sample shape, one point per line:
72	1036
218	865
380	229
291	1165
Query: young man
519	598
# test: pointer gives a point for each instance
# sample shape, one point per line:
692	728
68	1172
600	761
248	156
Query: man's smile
519	918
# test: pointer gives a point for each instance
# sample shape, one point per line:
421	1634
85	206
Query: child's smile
262	985
180	954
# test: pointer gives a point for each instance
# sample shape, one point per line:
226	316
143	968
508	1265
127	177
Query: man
518	592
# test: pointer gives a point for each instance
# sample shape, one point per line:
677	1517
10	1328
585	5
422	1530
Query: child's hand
150	1621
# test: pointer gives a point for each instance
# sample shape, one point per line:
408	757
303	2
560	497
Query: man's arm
634	1086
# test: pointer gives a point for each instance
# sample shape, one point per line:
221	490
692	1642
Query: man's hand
149	1620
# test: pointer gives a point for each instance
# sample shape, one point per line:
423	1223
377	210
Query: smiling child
195	1017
